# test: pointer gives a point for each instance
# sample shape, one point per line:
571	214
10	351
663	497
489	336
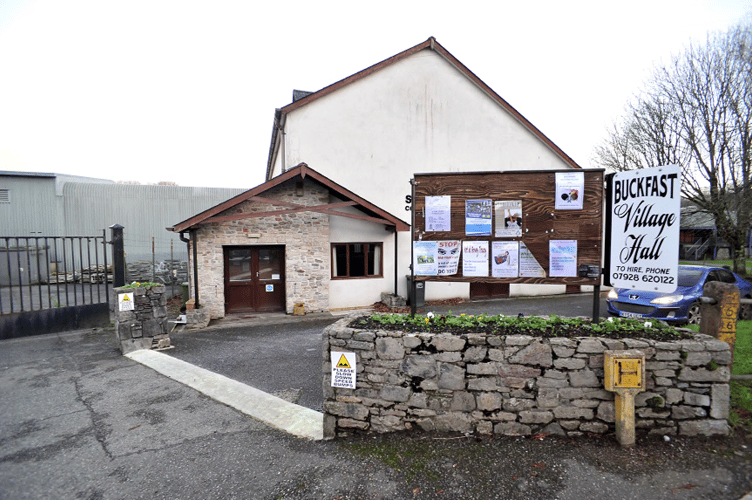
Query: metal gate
53	283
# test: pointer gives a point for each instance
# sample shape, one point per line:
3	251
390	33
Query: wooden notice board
542	221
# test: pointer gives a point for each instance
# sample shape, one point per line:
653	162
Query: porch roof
370	211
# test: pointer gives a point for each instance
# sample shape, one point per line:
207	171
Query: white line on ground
294	419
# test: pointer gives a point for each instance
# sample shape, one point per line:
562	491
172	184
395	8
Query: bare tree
696	112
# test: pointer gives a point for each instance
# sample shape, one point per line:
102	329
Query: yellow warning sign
125	301
343	362
344	369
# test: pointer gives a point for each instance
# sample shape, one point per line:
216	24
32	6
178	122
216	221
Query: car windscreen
689	277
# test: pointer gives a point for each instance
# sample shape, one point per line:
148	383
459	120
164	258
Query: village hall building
329	228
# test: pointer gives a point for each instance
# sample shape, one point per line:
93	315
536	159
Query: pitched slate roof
430	44
370	211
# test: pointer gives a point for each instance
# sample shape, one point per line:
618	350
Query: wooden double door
254	279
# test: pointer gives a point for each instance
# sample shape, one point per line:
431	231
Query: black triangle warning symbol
343	362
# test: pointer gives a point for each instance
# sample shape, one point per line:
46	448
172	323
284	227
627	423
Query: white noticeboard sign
645	208
125	302
343	369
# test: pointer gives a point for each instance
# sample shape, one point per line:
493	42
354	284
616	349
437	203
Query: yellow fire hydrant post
624	374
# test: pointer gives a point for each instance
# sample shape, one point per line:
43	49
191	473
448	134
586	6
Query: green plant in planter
146	284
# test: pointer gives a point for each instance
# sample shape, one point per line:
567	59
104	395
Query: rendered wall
519	385
417	115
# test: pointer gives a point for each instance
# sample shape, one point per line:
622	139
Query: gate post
118	256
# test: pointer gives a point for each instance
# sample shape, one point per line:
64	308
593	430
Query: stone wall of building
305	236
519	385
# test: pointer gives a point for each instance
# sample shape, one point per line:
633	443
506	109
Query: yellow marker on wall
624	374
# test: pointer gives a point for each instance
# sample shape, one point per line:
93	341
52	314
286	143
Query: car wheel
693	313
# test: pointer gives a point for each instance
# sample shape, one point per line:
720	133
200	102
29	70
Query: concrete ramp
289	417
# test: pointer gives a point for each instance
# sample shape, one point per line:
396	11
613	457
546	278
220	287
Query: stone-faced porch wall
305	236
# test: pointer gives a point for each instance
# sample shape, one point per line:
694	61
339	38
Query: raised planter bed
487	382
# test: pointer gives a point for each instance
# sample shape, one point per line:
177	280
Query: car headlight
667	299
612	294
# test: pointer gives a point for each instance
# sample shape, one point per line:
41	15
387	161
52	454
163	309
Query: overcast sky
185	91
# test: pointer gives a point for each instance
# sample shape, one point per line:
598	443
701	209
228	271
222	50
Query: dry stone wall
519	385
145	326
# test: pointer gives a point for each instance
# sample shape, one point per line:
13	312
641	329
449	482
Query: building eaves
302	170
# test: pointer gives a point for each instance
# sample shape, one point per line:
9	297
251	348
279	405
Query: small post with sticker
624	374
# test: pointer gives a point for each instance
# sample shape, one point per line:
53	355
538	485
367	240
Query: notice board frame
541	220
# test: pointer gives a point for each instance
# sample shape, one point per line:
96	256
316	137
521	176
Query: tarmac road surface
80	421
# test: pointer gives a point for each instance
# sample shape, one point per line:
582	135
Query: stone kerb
146	325
519	385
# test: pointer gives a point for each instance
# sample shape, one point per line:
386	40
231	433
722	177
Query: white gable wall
417	115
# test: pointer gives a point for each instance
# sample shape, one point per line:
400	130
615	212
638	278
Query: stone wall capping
518	385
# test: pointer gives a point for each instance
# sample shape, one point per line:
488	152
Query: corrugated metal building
48	204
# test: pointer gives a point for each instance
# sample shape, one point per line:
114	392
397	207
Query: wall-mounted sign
643	209
508	218
505	259
529	266
475	258
478	217
425	257
570	188
438	213
343	369
125	301
448	255
562	258
269	288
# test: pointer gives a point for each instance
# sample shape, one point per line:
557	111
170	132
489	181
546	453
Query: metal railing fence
45	272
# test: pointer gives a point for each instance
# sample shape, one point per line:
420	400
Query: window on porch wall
356	260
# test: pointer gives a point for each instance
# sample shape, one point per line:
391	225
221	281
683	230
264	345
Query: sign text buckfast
644	209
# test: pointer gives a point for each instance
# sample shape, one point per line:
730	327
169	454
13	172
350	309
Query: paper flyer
562	258
478	217
475	258
508	218
449	257
426	261
570	187
438	213
505	259
529	267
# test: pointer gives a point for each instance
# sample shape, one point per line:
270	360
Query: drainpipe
396	261
195	263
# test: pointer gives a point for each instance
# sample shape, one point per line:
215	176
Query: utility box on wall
624	370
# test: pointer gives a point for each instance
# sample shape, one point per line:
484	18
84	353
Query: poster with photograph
449	257
570	187
529	267
478	217
438	213
475	258
505	259
425	255
562	258
508	218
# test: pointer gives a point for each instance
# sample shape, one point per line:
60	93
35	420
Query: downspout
187	252
194	238
396	262
195	265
